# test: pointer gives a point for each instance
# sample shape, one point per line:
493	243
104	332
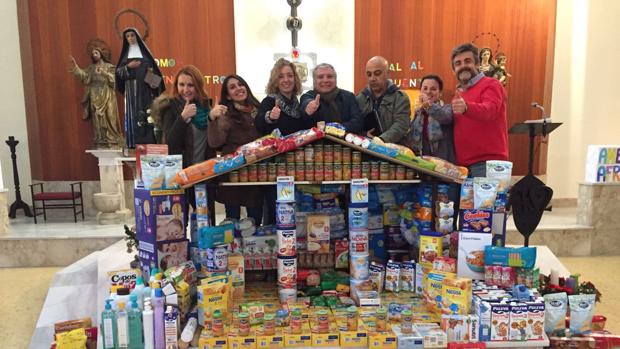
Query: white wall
12	105
328	29
585	88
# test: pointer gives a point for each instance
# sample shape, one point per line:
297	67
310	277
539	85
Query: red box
479	345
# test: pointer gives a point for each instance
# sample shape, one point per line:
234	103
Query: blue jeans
234	211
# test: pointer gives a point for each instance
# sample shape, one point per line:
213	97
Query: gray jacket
394	112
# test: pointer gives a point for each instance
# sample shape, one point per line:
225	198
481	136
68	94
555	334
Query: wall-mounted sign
603	164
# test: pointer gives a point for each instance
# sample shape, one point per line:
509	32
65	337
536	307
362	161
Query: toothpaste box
518	322
500	322
535	321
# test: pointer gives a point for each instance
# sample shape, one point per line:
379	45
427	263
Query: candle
570	283
554	277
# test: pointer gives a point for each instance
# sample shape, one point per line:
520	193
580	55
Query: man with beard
479	106
385	107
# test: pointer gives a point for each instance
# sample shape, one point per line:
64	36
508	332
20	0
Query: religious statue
499	72
99	99
486	61
139	79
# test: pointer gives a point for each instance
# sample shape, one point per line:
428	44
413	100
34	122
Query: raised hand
218	111
134	64
189	110
313	105
458	103
275	111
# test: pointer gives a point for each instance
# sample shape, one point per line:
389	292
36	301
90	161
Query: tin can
287	271
262	172
358	266
285	214
253	173
356	171
287	242
346	155
358	216
308	153
318	154
299	156
309	171
217	259
356	157
409	174
374	170
337	171
243	174
346	172
328	171
392	172
300	171
384	171
281	169
233	177
400	173
290	157
272	171
328	153
337	154
318	171
290	169
358	241
366	169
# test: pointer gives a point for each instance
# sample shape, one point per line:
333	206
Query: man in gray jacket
385	107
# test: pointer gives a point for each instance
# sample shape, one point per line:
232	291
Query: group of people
468	131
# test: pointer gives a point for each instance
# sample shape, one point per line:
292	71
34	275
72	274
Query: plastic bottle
188	332
218	324
139	292
122	295
113	297
147	325
122	326
135	324
108	326
158	319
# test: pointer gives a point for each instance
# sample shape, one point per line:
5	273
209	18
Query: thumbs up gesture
275	111
313	105
189	110
458	103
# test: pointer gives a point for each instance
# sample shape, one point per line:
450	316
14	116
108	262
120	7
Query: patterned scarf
201	119
330	98
290	107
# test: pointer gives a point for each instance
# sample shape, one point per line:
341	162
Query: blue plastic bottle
135	324
108	326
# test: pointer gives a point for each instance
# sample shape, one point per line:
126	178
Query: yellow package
434	289
184	298
213	294
430	248
236	267
456	296
75	339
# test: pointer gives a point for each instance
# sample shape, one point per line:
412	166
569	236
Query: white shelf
404	181
524	344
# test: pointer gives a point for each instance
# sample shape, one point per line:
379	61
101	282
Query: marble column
112	186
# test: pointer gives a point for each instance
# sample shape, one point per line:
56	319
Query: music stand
529	197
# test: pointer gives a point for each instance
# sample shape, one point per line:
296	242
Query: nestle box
159	215
163	254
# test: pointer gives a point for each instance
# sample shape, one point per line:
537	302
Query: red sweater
482	132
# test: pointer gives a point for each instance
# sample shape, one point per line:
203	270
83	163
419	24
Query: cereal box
500	322
434	289
430	247
456	327
479	221
456	296
471	255
518	322
535	321
318	234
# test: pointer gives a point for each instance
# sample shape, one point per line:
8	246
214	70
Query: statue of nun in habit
139	79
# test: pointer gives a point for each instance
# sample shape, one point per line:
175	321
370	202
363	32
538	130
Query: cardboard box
518	322
304	339
270	342
237	342
159	216
471	254
500	322
456	327
476	221
163	255
535	321
408	340
382	340
432	334
355	339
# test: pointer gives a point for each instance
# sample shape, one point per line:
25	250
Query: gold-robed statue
99	99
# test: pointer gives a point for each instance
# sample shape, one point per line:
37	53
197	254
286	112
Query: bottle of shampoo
108	326
158	319
122	325
147	325
135	324
139	292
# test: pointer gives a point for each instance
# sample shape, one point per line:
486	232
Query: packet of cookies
485	192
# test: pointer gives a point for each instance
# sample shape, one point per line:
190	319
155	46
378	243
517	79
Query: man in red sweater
479	106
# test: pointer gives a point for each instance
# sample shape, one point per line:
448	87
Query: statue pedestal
111	201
